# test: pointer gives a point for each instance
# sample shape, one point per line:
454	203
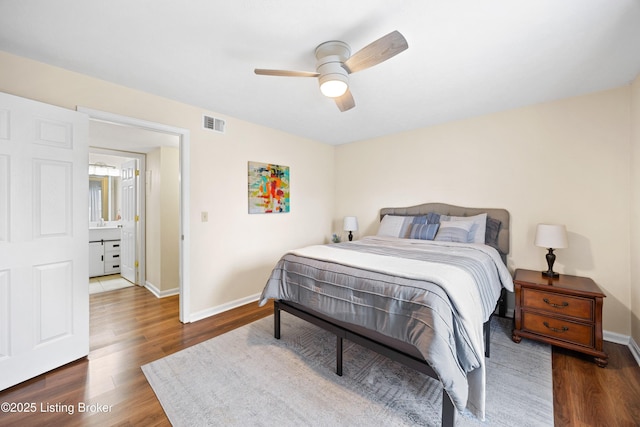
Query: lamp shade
551	236
350	223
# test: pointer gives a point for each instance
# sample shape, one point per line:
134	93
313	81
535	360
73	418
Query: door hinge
137	172
136	265
137	218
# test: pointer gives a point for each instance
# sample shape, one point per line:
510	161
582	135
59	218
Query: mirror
104	198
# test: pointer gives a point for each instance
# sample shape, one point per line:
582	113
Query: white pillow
479	229
454	231
395	226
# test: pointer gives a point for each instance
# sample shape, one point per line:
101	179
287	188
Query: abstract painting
268	188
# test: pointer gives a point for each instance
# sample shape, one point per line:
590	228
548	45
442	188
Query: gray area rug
246	377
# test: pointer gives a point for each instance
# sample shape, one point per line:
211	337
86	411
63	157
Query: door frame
183	135
140	205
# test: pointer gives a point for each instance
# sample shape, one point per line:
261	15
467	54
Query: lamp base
551	258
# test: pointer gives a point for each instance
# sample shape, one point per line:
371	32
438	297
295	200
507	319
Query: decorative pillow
477	234
493	228
430	218
454	231
424	231
395	226
421	219
433	218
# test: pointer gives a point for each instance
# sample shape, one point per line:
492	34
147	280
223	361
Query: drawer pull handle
561	330
563	305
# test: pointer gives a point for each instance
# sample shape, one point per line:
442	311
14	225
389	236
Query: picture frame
268	188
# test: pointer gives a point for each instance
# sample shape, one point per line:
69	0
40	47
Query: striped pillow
424	231
430	218
420	219
477	232
454	231
395	226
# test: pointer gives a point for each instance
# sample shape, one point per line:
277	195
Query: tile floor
107	283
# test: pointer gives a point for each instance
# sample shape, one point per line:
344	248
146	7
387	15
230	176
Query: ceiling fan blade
374	53
285	73
346	101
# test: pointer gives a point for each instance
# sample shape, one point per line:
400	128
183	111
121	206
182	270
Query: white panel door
44	231
129	221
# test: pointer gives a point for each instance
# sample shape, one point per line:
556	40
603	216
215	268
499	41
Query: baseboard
635	350
158	293
222	308
624	340
615	337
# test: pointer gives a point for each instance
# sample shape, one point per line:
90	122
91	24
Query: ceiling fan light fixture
334	64
333	78
333	86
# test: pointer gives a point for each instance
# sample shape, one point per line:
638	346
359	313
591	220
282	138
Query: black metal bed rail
341	333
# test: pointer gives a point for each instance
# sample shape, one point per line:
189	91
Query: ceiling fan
335	63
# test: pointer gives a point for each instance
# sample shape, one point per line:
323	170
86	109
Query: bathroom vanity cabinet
104	251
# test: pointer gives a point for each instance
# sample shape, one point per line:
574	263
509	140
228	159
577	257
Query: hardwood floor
585	395
130	327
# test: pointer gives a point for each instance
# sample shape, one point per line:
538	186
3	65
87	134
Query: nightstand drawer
558	329
565	305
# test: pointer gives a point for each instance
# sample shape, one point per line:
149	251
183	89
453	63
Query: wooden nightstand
565	311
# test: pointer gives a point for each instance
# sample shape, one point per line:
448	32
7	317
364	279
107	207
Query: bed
421	291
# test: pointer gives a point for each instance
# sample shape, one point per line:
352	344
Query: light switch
205	216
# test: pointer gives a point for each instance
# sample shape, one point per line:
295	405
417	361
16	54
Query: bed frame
395	349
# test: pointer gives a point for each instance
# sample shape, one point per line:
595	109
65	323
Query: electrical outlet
204	216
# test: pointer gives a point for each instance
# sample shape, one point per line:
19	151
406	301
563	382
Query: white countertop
97	234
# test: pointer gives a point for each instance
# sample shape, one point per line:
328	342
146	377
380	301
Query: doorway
112	254
114	204
162	134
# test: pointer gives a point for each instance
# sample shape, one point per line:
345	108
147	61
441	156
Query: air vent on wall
213	123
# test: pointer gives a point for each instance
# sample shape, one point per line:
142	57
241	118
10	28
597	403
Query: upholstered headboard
502	215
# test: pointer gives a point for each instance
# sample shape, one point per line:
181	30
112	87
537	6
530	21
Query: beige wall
561	162
153	222
233	253
635	211
162	219
567	162
170	218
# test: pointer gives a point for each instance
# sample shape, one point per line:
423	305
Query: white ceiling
465	57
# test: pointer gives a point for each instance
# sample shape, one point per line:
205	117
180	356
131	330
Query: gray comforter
432	295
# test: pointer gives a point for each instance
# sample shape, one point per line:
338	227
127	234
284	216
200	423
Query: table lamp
551	236
350	225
